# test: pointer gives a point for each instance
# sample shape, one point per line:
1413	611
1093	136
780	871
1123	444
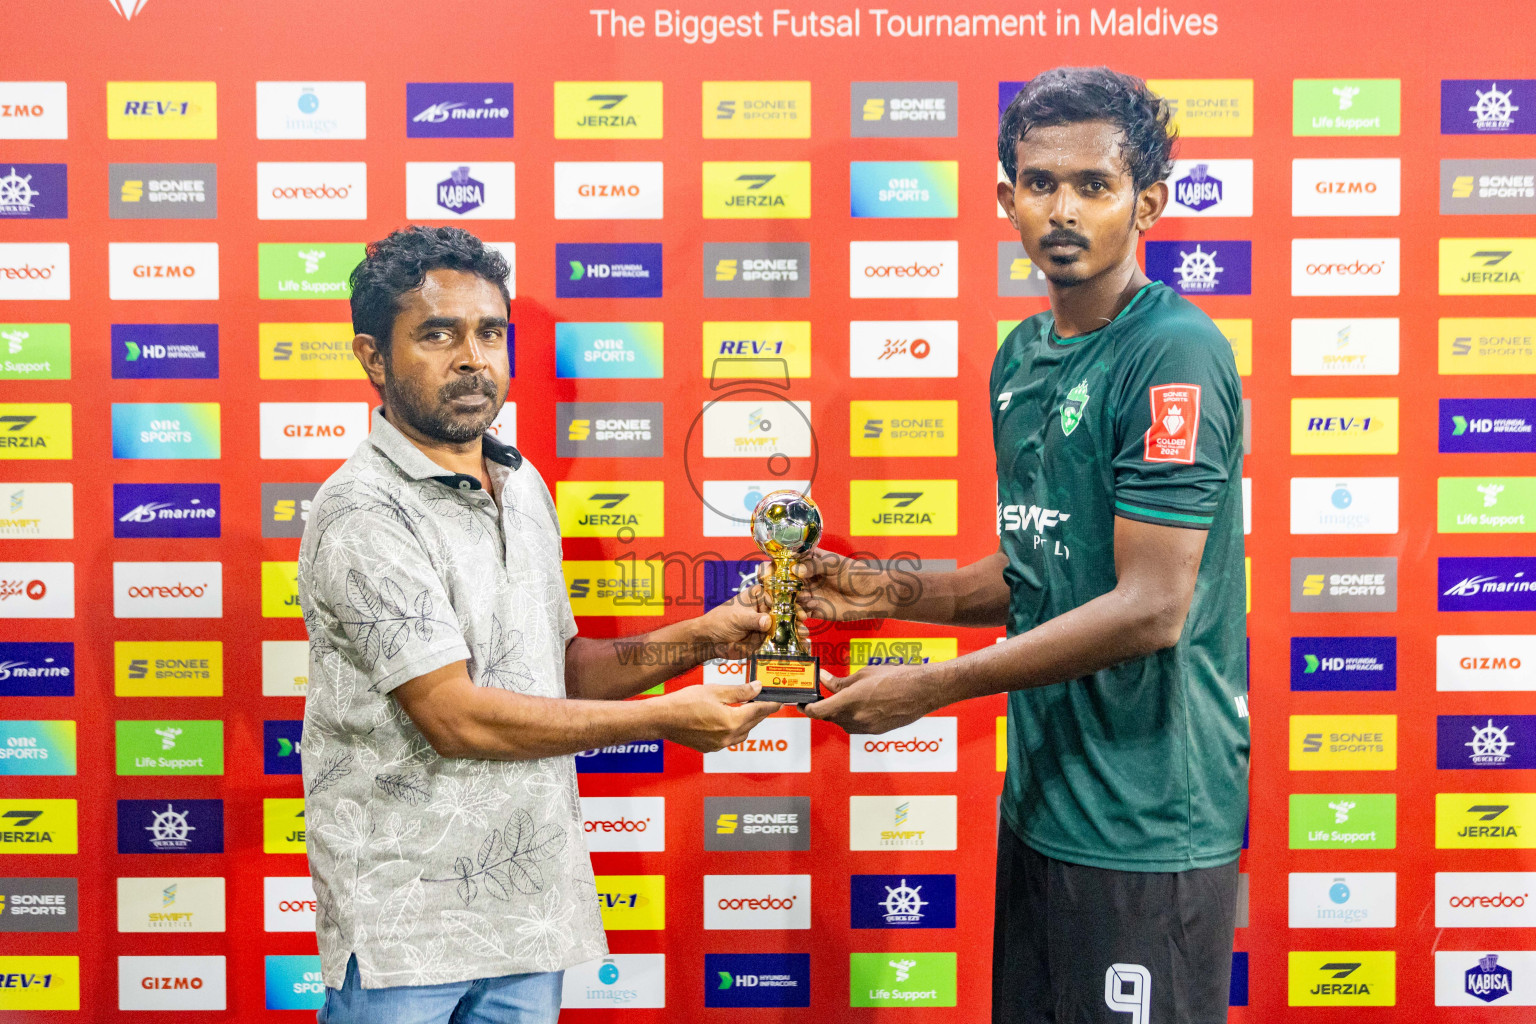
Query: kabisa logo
910	110
1343	979
903	270
34	270
757	270
1505	821
37	669
34	825
170	826
163	191
1343	663
1479	106
34	192
294	983
1198	189
757	902
1488	266
165	351
757	979
170	983
624	823
1488	424
479	191
39	905
162	110
1211	188
1488	981
165	510
307	270
750	190
618	980
640	756
1487	584
1488	186
280	744
1202	267
608	429
311	110
1483	741
757	110
34	110
902	901
757	823
458	110
607	270
608	110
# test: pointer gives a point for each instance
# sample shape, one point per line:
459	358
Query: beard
433	417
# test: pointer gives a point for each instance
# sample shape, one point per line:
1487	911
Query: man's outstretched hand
836	588
876	699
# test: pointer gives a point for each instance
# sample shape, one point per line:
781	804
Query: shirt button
463	485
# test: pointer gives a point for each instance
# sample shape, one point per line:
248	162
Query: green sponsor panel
901	979
1343	821
1487	504
1346	106
1005	328
159	747
34	351
317	270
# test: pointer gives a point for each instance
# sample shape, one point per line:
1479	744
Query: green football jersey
1143	766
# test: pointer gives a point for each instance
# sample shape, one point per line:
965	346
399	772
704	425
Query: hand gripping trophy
785	525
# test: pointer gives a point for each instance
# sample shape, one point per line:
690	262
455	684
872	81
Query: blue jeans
510	999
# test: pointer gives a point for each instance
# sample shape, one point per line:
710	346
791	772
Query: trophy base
786	678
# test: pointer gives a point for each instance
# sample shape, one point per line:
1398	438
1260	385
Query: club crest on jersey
1175	423
1072	408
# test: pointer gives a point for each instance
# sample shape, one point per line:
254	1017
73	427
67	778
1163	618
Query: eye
1039	184
1095	187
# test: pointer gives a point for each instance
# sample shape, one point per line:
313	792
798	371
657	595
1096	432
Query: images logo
901	823
168	590
903	348
1344	663
162	110
1202	268
1208	107
1354	821
608	190
311	110
757	979
611	508
903	508
311	191
904	110
34	110
37	748
312	430
288	904
306	270
931	744
165	430
603	270
1492	821
159	747
165	351
33	825
902	901
901	979
163	191
1488	424
1211	188
757	110
757	823
1343	743
40	982
618	980
608	110
294	983
1487	584
1357	106
643	756
1343	979
904	188
170	826
1344	426
458	110
757	270
39	905
608	350
37	669
170	983
755	190
34	192
478	191
280	742
776	745
1481	741
1485	662
1488	266
728	504
170	904
1488	186
1346	188
34	270
37	511
625	823
37	590
191	668
1478	106
1354	505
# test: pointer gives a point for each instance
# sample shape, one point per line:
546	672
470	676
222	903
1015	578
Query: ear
1150	205
367	352
1005	200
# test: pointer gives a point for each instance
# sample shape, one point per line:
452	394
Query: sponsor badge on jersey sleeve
1175	423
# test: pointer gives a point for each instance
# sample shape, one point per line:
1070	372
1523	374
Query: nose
472	356
1064	209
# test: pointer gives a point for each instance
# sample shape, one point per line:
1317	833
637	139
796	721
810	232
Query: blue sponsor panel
1488	424
293	983
280	747
1343	662
165	351
34	191
170	826
37	669
165	510
643	756
614	350
601	270
757	979
1203	267
724	580
1487	584
902	901
1483	106
458	110
1237	992
904	188
1006	91
1485	741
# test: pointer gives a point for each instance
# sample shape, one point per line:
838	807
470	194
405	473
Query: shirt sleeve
1178	429
369	590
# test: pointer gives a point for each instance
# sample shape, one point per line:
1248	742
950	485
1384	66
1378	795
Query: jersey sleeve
1178	428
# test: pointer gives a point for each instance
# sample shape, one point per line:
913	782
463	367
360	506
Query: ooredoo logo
312	430
170	983
311	191
163	270
289	904
34	270
168	590
757	902
1491	899
624	823
924	270
1345	266
927	745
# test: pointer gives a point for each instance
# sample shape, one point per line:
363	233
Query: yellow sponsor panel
282	825
611	508
759	349
1247	585
607	110
1208	107
631	903
1485	821
280	590
1002	743
1488	266
1343	426
901	650
896	429
39	983
308	351
1356	978
162	110
1503	344
757	110
29	826
1343	743
1239	333
903	508
620	586
751	189
168	668
36	430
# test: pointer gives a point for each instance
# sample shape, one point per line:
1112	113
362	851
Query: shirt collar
411	461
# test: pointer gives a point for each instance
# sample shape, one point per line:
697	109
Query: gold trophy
785	525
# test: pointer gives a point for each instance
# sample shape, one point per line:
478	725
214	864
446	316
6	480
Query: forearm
500	725
624	666
976	595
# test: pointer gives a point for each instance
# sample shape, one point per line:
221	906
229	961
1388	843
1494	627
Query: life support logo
757	902
927	745
624	823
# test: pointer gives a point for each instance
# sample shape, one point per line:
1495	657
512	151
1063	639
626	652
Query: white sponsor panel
901	822
618	981
1345	266
34	270
311	191
284	668
1485	899
170	983
728	504
903	348
757	902
168	590
776	745
311	110
757	430
1485	662
1337	504
163	270
927	745
1484	977
1346	187
37	511
34	110
725	673
608	190
37	590
1210	188
170	904
461	190
1354	899
1344	346
1247	505
312	430
504	427
624	823
509	251
288	904
903	270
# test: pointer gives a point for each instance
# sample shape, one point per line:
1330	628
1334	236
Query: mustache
1063	237
468	386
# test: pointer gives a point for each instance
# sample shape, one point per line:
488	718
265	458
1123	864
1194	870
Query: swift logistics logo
902	822
1486	504
311	110
1343	821
33	825
1344	663
1344	584
1345	266
163	191
170	826
630	981
608	190
902	979
1487	345
757	902
611	508
1344	505
902	901
614	350
33	511
1346	106
1488	186
34	192
162	270
294	982
165	510
1488	266
1486	584
34	110
632	902
158	668
757	979
168	590
752	190
1367	978
1208	107
1343	743
1479	106
757	823
1488	425
608	110
311	191
34	351
1485	741
165	430
165	351
1210	188
311	430
161	747
903	348
162	110
37	668
306	270
1487	821
34	270
281	741
757	110
284	668
1337	347
1206	267
757	270
904	110
458	110
601	270
904	188
624	823
39	905
37	748
40	982
1346	187
308	351
608	429
903	508
1485	662
37	590
1344	426
911	428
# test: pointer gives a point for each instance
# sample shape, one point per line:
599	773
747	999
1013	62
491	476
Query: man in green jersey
1117	420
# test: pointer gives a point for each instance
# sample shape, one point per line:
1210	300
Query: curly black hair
1074	95
399	263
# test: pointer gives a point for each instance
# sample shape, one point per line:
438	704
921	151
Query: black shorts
1074	944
